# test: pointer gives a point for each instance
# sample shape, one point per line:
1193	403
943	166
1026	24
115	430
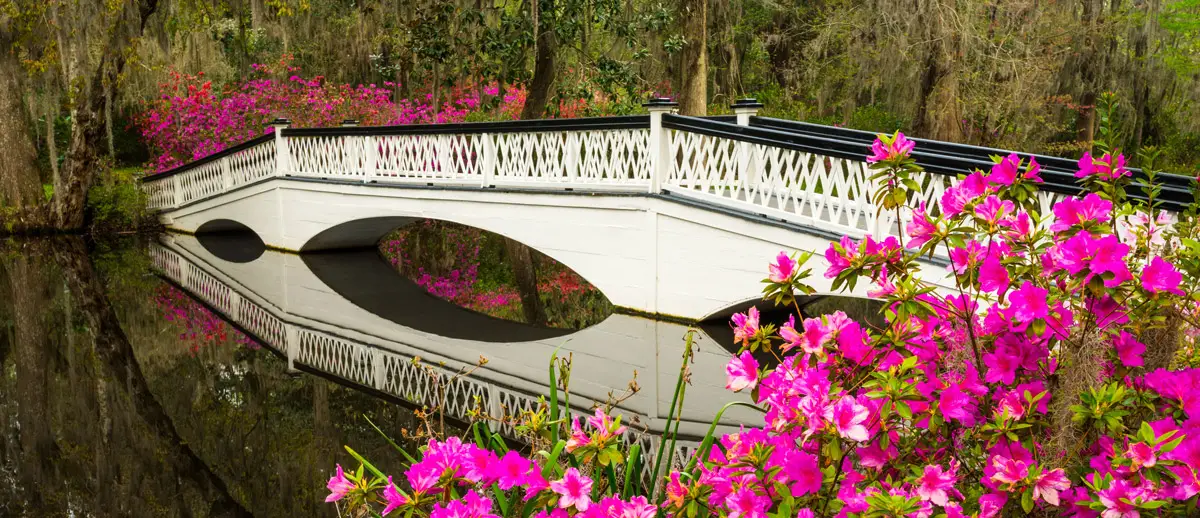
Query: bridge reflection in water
349	316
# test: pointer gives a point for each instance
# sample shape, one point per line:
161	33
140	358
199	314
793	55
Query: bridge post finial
745	108
660	144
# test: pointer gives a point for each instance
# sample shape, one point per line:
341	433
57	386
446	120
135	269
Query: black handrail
1173	196
210	158
517	126
1179	186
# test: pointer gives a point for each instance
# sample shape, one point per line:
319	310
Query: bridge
348	317
667	215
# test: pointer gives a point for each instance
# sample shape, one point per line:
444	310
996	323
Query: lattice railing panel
427	157
208	288
333	156
253	164
202	182
262	324
343	358
614	156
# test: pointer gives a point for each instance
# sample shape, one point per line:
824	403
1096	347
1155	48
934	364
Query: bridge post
291	347
282	158
488	153
747	170
352	154
660	141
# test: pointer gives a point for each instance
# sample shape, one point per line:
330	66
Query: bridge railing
796	172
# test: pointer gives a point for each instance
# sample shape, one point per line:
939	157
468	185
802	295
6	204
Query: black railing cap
659	102
746	102
350	122
280	121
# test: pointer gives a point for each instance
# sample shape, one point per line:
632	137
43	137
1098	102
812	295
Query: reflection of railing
421	384
801	173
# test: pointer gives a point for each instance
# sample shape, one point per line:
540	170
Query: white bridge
667	215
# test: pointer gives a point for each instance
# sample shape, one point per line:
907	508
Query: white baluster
571	155
176	191
747	172
488	149
283	164
370	157
226	173
351	148
291	347
660	145
378	370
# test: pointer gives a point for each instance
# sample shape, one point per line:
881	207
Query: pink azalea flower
993	209
339	486
885	285
676	491
1005	171
804	471
741	372
393	497
511	470
936	484
1161	275
782	269
745	326
920	229
957	405
1119	499
1129	350
1028	303
812	340
746	503
1072	211
848	416
993	276
1048	484
1009	472
578	438
898	147
574	490
957	196
840	260
1142	455
1106	168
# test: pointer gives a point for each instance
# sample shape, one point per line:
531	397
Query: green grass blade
389	440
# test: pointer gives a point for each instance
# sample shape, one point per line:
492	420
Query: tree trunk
82	156
544	67
19	182
30	297
520	257
693	94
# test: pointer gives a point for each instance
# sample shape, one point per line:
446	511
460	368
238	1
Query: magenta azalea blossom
1071	212
1129	350
848	417
782	269
1009	472
993	209
936	484
392	497
1120	500
339	486
957	196
993	276
574	490
1028	303
745	502
741	372
511	470
1142	455
888	148
920	229
745	326
1161	275
1048	484
1106	168
957	405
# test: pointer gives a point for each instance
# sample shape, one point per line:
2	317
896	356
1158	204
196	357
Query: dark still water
207	376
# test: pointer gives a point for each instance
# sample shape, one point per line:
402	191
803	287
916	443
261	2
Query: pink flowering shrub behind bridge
1042	384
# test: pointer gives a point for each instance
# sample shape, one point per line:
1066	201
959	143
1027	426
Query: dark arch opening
230	240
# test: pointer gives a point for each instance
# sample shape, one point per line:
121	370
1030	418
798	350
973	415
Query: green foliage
117	202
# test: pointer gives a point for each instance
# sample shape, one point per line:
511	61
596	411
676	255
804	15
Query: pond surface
185	376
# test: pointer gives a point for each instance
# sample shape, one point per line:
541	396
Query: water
178	376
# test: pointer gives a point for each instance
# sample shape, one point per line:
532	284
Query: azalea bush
192	118
1045	373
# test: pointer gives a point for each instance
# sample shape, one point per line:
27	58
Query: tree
693	95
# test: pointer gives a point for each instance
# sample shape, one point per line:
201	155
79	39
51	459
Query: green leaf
1027	501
